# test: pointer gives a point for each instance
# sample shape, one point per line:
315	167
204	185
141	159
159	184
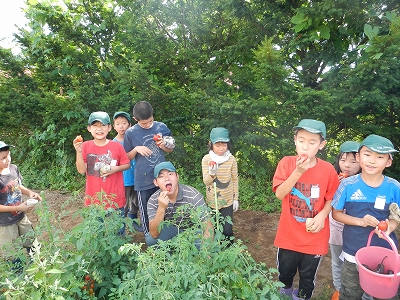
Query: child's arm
142	150
365	221
19	208
29	193
80	164
207	177
286	187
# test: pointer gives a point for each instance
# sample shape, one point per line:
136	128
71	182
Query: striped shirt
226	179
181	216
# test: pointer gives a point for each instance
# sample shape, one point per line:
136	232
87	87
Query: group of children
144	145
323	205
355	195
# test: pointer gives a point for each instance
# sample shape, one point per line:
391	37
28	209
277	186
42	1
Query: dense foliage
255	67
92	262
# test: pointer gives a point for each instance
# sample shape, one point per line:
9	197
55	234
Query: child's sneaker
288	291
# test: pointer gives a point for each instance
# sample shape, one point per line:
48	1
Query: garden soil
255	229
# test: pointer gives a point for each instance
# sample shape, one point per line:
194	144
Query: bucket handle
394	248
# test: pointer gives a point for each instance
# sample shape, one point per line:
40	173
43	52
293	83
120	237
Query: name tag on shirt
314	191
380	202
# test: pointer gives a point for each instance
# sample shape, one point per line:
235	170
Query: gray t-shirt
188	196
11	195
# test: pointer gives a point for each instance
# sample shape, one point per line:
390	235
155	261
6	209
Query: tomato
304	156
79	139
156	137
382	226
343	175
87	277
92	286
212	163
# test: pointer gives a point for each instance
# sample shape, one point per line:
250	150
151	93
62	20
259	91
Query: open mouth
168	187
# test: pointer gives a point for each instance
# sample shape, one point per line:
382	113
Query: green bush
91	261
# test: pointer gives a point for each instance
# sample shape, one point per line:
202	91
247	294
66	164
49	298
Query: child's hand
315	224
34	195
24	207
302	163
143	150
77	142
212	168
368	220
342	176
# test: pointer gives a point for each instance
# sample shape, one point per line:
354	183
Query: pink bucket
381	286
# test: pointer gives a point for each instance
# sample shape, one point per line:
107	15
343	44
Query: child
220	166
366	198
122	121
13	221
345	165
306	185
146	142
102	160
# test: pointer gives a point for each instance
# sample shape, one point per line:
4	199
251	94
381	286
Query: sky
10	14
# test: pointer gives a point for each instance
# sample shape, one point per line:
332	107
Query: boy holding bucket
366	198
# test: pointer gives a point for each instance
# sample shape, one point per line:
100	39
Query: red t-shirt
319	185
107	189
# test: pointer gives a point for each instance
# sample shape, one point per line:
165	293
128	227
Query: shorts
9	234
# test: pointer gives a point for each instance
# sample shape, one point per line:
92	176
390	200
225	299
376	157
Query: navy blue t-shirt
138	136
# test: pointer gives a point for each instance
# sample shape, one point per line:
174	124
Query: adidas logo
358	195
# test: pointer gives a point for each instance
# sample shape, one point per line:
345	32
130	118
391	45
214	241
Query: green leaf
54	271
324	31
299	27
377	56
370	31
297	19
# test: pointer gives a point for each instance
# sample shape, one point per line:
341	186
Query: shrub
91	261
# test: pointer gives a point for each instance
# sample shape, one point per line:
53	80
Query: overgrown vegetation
92	262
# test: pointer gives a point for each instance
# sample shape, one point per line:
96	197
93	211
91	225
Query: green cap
219	134
4	145
378	144
349	146
312	126
123	114
166	165
100	116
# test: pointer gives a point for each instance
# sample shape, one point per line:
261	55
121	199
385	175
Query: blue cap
99	116
312	126
378	144
123	114
219	134
349	146
166	165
